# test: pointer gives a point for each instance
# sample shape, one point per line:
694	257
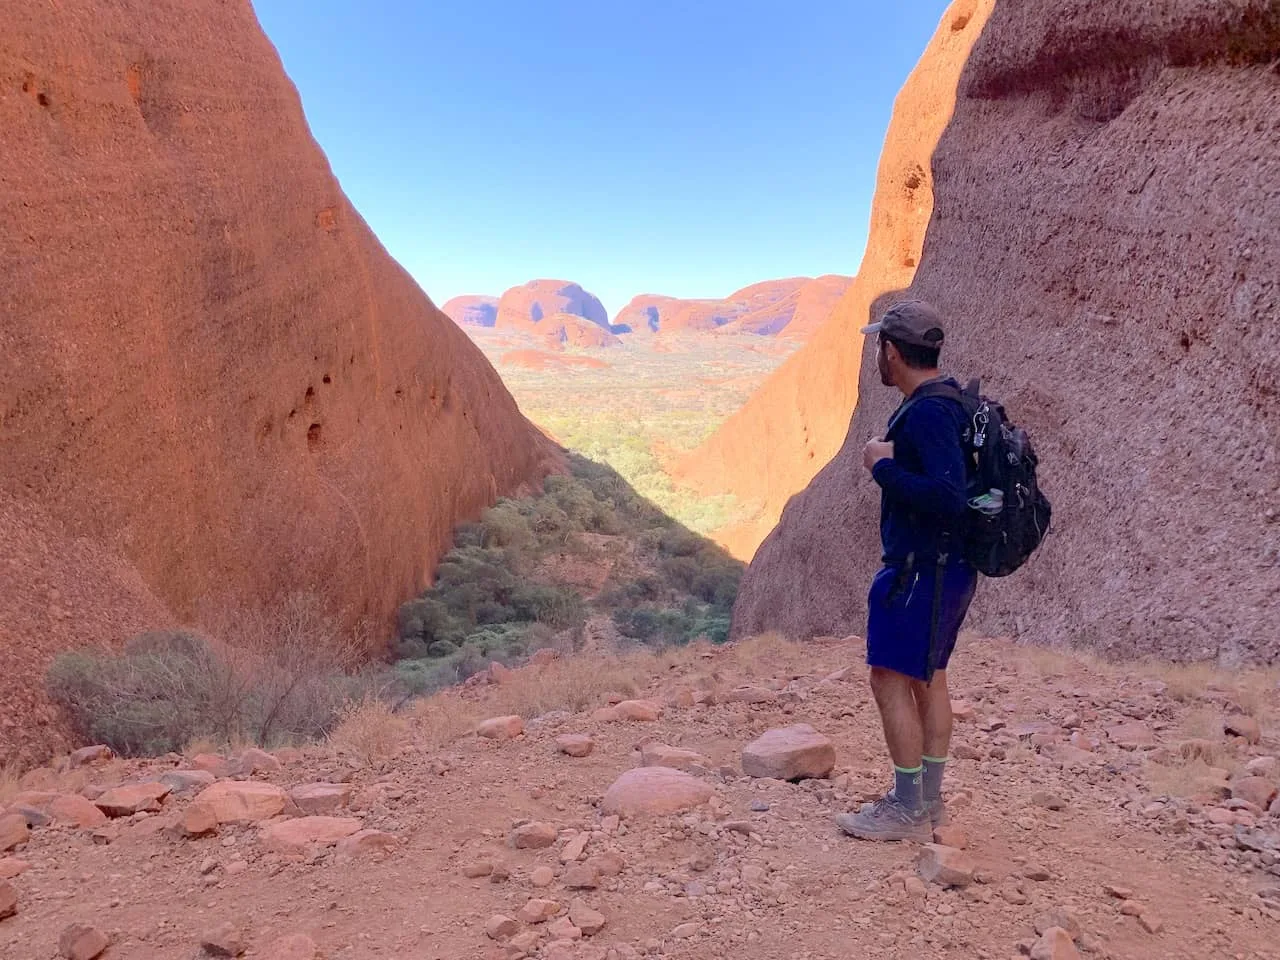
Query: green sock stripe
898	769
935	759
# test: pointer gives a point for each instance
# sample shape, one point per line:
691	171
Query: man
919	599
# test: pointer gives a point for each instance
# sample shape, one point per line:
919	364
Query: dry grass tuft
369	731
763	654
1192	779
1202	723
573	684
10	783
443	718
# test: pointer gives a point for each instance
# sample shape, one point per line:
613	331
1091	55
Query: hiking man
919	599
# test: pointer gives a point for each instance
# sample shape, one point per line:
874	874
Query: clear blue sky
664	147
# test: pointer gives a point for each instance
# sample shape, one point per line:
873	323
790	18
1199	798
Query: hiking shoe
887	819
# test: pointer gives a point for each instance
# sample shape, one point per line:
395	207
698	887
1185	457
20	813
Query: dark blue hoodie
923	487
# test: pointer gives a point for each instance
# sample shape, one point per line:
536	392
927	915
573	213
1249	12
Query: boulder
300	835
321	798
642	710
81	942
575	744
1055	944
235	801
654	791
13	831
533	836
945	866
1256	790
501	728
367	843
132	798
8	899
88	755
68	808
789	753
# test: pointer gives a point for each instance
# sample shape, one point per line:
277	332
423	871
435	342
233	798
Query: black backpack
1008	514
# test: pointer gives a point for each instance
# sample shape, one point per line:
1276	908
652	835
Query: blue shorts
900	616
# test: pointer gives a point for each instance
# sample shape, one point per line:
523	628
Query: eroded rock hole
327	379
1185	340
960	22
314	438
311	394
42	99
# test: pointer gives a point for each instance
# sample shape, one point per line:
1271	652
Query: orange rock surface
215	385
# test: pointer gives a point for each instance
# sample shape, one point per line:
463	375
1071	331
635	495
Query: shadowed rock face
795	423
1104	238
215	385
525	307
473	311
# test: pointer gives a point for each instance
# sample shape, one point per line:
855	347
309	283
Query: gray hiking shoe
887	819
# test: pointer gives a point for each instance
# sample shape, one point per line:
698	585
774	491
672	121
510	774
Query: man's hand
875	451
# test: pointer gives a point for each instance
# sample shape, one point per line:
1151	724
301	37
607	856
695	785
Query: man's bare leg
900	815
933	701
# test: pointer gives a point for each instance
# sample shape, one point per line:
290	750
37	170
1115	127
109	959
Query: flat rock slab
185	781
133	798
315	799
501	728
575	744
789	753
367	843
661	755
300	835
654	791
235	801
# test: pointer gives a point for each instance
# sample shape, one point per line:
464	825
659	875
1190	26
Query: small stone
14	831
1058	917
212	763
8	899
563	929
527	941
1033	871
317	799
661	755
247	801
1050	801
197	820
539	911
752	873
575	848
253	761
963	751
226	941
1131	736
945	866
575	744
641	710
500	873
501	728
87	755
950	835
749	695
589	921
66	808
533	836
1131	908
501	927
1055	944
1150	922
654	791
961	709
474	871
367	844
132	798
685	931
294	946
608	864
300	835
80	942
185	781
581	877
789	753
542	877
759	806
1261	766
235	868
1240	725
1120	893
1256	790
916	888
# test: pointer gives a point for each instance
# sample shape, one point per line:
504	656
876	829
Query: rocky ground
1098	810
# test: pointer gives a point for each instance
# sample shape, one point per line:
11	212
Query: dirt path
759	873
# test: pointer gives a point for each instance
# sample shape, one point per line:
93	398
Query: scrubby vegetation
286	677
532	573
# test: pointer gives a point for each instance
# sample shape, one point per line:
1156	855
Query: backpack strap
938	388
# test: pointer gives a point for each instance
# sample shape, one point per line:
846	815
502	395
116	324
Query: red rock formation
472	311
795	423
798	315
764	309
215	385
543	360
1106	242
562	330
526	307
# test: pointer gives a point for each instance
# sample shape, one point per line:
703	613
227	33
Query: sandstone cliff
798	315
1105	237
471	310
215	385
795	423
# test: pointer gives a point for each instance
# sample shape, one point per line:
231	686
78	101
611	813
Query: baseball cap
911	321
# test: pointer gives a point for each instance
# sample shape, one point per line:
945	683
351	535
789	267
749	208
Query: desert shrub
282	678
555	606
